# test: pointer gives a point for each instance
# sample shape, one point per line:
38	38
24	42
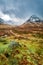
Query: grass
21	51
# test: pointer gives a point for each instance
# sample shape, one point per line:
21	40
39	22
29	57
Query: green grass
21	52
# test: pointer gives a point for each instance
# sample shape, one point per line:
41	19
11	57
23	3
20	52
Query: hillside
32	27
29	28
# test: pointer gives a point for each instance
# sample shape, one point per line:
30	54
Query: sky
18	11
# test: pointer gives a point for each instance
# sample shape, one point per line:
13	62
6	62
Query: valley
21	45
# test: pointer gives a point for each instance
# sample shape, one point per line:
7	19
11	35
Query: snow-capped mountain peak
34	18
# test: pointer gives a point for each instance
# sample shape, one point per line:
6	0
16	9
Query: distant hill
5	26
1	21
33	24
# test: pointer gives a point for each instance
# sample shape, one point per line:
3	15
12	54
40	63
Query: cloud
22	8
5	16
11	20
19	11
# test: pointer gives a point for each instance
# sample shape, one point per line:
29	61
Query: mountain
33	21
4	24
34	18
9	22
1	21
33	25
